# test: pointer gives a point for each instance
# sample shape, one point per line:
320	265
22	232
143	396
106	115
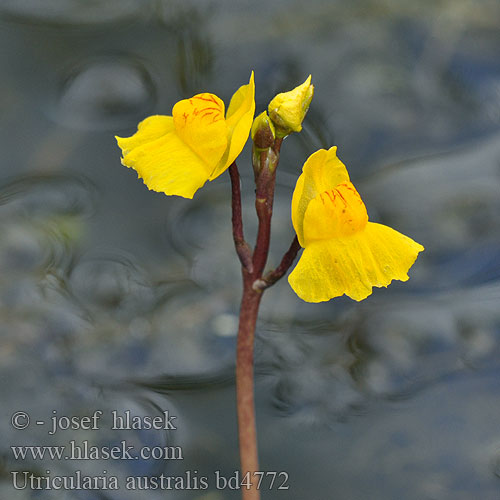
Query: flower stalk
247	431
253	265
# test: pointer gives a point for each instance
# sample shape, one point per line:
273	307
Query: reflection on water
70	11
194	55
115	298
105	94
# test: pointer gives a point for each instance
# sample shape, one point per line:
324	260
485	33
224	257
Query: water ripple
70	12
106	93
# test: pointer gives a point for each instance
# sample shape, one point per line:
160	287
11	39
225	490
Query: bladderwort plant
343	252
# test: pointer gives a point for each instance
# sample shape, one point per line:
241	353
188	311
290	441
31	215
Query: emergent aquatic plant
343	253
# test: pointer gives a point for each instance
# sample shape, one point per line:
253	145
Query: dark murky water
116	298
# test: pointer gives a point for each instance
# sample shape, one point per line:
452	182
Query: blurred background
116	298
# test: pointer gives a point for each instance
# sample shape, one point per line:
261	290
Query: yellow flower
288	109
177	154
343	252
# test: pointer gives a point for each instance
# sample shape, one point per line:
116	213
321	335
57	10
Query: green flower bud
263	133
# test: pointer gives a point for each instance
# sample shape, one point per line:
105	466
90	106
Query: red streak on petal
332	196
343	199
207	98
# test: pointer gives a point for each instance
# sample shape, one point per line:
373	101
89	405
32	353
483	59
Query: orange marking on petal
210	98
330	195
343	199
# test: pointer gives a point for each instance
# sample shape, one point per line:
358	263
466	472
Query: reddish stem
273	276
264	198
252	268
247	433
242	247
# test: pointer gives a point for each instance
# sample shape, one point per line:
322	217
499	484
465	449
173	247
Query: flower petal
168	165
334	213
148	130
353	265
321	172
200	123
239	120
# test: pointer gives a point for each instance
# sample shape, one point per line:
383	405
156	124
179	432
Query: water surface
114	298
